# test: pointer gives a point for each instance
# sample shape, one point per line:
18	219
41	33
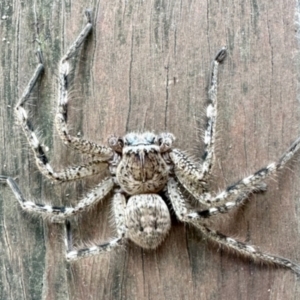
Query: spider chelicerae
143	167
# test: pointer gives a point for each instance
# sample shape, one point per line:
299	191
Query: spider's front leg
185	214
119	207
192	177
101	153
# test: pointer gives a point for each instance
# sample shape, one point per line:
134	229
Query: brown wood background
146	67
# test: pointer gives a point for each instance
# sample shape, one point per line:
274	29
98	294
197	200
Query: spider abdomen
147	220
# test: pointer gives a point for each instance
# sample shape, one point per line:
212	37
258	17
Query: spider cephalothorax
142	167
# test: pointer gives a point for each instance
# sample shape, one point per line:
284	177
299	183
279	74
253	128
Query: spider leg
119	206
185	214
71	173
79	144
211	112
252	182
246	250
227	206
186	171
190	177
59	213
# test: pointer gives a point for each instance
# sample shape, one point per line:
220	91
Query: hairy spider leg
58	214
103	152
211	113
252	183
185	214
119	207
192	177
70	173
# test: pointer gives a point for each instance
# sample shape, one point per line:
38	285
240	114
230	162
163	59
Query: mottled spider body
142	167
147	219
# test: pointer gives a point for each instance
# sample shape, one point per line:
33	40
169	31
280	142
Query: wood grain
146	67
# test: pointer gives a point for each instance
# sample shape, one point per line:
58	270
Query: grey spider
142	167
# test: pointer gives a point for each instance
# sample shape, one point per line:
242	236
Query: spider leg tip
3	178
88	14
221	54
39	55
296	269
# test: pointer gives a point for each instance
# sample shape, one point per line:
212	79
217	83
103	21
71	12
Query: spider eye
116	143
120	142
165	141
152	140
130	139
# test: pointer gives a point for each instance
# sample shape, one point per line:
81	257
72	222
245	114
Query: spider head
142	167
140	139
147	141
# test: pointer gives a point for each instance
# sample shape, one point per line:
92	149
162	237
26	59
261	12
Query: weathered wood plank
145	67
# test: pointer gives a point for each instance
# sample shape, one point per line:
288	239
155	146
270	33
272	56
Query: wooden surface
146	67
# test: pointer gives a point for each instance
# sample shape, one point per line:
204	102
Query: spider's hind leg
186	214
119	206
246	250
